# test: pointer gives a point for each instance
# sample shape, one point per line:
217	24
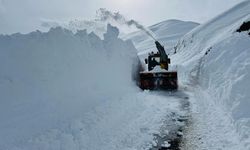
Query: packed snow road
171	132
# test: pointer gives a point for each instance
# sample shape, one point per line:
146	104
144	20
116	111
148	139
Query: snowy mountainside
215	57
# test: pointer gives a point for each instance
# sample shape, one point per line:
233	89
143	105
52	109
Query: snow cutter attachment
163	80
159	80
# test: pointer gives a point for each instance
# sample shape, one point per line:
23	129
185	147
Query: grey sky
26	15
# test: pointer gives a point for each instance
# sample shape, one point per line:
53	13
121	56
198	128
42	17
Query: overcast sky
26	15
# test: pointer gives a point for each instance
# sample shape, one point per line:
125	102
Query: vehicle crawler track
159	81
173	139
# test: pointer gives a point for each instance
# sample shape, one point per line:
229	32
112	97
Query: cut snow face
47	78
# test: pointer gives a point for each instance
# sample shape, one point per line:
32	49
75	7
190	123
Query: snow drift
216	57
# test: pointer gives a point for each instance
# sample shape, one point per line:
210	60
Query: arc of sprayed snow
105	15
139	26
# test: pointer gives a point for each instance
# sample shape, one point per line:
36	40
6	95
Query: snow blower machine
158	76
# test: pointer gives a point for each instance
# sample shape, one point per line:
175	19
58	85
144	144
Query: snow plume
105	15
46	23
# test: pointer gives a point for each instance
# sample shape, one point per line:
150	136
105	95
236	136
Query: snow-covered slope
215	57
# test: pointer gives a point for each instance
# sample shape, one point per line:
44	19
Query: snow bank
216	57
49	78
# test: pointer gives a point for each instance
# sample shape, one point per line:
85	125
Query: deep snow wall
217	58
53	77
